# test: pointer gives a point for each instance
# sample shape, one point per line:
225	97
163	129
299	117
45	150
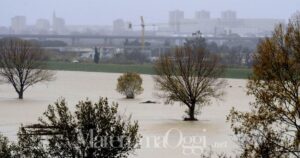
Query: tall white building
227	23
175	20
228	15
202	15
18	24
58	25
119	26
42	25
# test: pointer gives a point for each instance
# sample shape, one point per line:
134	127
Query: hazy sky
103	12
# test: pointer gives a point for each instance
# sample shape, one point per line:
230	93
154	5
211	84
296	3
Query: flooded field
164	132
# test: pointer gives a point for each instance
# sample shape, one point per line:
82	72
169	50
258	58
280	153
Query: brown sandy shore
161	125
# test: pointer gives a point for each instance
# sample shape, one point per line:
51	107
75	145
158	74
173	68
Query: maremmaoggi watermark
172	139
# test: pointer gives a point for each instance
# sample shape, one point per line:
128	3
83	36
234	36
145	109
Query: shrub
6	147
130	84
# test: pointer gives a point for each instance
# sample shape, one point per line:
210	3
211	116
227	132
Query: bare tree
189	75
21	66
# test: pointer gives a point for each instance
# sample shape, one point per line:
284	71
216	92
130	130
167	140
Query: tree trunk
191	113
130	95
20	93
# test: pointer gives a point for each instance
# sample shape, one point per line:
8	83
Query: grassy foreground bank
238	73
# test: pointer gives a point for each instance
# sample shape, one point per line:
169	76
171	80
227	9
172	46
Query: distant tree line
132	54
232	53
235	56
49	43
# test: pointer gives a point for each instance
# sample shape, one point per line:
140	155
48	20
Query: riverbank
235	73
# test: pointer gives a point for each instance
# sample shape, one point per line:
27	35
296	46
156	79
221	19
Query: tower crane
143	27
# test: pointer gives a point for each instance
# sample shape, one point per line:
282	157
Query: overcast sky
103	12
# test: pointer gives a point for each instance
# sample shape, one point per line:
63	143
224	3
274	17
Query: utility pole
143	32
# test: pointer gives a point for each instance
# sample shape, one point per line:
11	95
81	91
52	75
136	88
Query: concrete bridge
76	38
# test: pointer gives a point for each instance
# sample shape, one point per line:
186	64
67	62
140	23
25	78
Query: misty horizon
101	13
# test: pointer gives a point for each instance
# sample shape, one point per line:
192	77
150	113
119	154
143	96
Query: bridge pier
74	41
108	42
181	41
105	41
160	51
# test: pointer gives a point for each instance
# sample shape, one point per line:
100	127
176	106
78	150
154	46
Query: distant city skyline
103	12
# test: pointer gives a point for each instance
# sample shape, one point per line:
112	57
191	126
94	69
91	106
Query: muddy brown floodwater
164	132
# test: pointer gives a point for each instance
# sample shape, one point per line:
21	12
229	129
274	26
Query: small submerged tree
190	75
130	84
20	64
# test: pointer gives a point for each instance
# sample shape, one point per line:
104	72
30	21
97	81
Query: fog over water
103	12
